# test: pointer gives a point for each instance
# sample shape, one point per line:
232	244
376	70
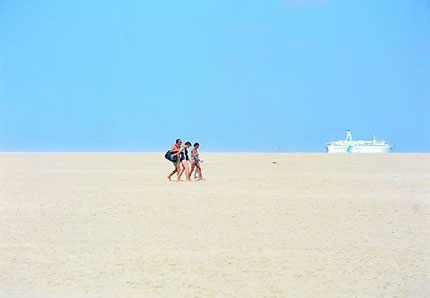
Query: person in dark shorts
175	159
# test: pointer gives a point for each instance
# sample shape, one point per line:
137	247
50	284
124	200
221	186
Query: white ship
360	146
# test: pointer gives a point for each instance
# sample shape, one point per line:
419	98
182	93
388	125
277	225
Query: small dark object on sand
274	162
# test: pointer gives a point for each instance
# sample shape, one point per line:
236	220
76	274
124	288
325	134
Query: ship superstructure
360	146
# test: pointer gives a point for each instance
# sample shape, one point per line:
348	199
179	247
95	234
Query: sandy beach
260	225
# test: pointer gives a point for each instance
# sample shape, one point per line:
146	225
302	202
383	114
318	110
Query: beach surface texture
259	225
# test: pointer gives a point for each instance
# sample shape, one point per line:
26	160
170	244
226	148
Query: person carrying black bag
171	156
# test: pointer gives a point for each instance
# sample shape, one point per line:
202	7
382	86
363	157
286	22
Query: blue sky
233	75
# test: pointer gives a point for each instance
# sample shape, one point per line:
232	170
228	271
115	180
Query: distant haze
233	75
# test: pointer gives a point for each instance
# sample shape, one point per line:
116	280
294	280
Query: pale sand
311	225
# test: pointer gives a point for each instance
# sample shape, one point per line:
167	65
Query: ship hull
358	149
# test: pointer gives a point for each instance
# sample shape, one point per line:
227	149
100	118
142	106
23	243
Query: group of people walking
178	155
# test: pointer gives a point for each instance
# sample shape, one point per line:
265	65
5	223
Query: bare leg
180	171
185	169
191	171
171	174
199	169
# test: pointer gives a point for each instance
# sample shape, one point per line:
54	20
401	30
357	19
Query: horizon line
209	152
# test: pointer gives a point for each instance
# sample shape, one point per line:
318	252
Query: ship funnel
348	135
